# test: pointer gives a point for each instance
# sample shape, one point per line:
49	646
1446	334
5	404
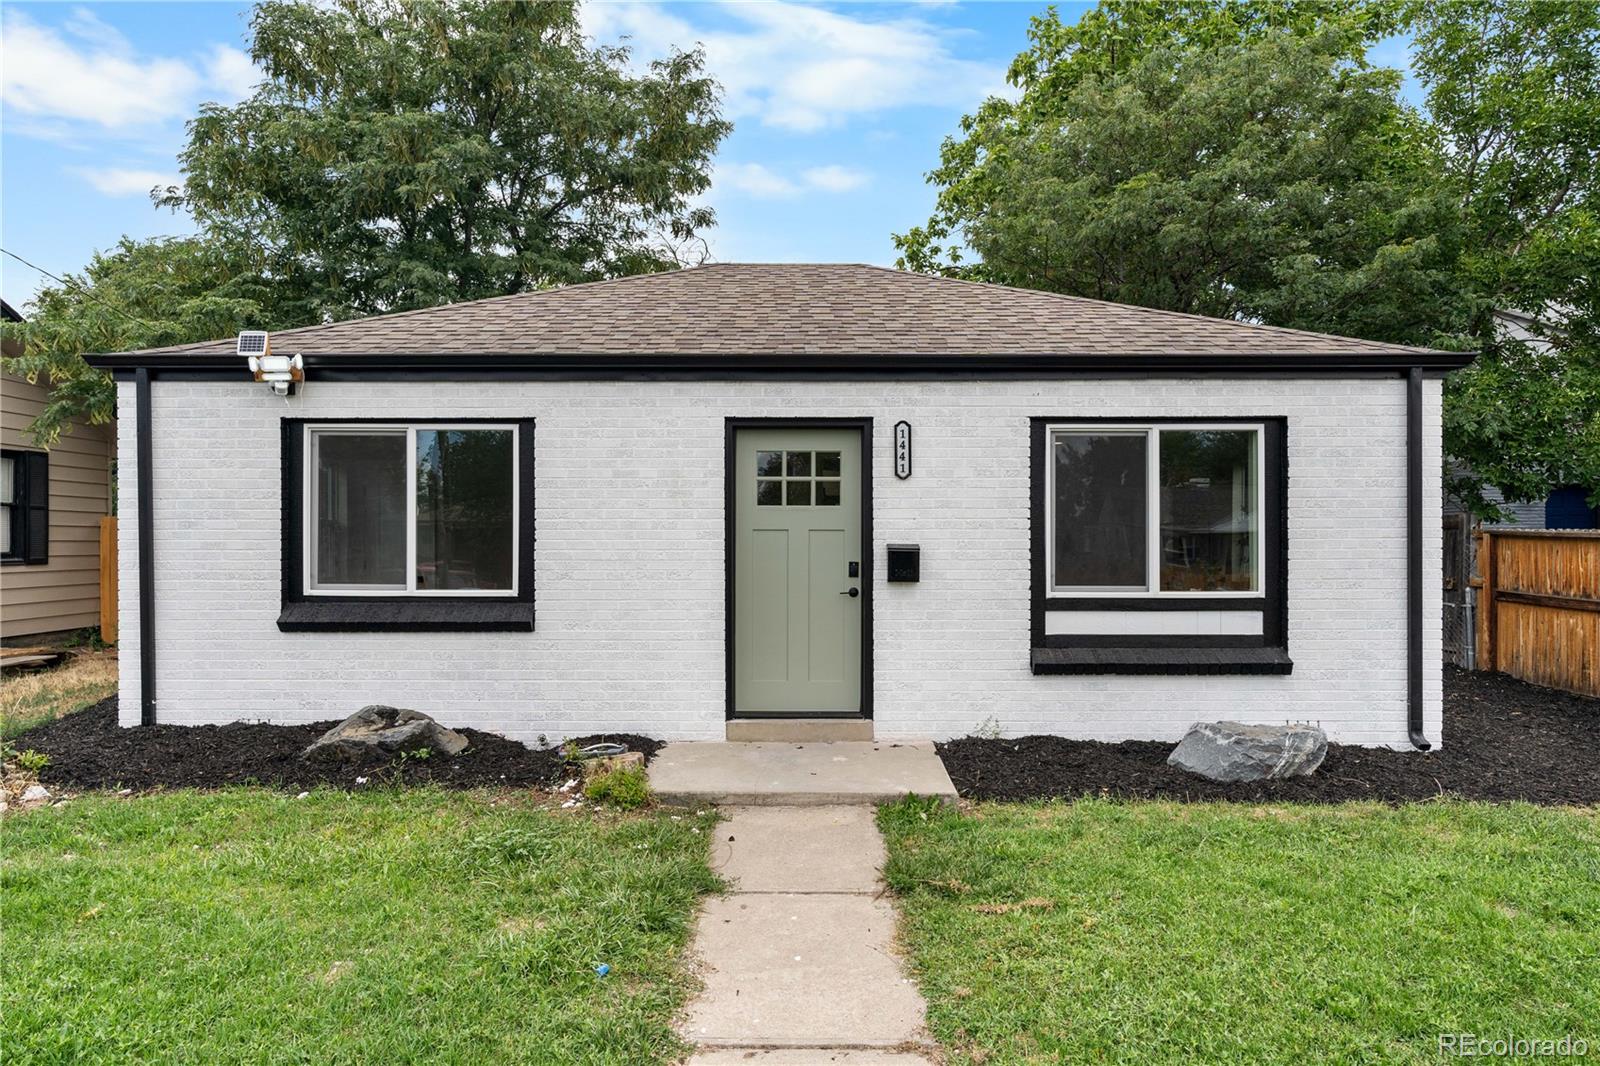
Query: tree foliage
142	294
1514	87
404	154
1243	158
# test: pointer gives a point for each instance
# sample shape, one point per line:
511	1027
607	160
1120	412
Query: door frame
730	480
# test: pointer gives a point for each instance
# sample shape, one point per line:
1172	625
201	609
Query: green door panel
797	529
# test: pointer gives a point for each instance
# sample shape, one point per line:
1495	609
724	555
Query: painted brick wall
630	561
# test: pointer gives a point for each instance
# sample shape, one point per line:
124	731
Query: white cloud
753	179
763	183
834	178
96	79
806	68
87	73
123	181
231	70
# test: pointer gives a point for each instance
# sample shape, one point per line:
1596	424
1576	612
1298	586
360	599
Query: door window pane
1100	510
1209	524
464	509
799	464
769	493
827	493
359	511
799	493
827	464
769	464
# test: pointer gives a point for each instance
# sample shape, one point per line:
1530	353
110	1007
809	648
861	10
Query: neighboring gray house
905	504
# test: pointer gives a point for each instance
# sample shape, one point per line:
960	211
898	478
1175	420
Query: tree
143	294
1105	41
1268	180
402	155
1514	87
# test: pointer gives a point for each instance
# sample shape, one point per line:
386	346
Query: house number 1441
902	450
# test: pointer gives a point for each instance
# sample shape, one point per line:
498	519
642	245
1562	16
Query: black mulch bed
1503	740
89	750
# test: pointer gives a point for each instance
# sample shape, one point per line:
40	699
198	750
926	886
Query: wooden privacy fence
1539	606
108	579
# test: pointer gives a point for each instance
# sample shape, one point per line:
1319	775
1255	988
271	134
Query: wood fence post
1486	572
108	579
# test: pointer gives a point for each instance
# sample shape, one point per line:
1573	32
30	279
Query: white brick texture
629	561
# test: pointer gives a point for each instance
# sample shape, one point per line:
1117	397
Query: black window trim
30	480
1131	654
354	612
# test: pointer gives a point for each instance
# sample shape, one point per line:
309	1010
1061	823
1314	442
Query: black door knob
852	592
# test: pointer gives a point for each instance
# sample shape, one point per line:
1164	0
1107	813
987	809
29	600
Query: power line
130	316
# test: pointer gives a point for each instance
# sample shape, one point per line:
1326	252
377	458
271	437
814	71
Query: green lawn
1164	933
400	926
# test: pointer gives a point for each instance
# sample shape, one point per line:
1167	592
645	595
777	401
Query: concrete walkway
794	774
798	960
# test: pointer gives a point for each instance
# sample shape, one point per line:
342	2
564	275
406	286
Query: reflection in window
1100	518
1208	510
797	479
464	509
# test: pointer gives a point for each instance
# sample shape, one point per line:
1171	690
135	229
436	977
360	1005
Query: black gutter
490	365
1414	558
147	539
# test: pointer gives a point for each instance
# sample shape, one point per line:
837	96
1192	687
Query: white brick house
662	503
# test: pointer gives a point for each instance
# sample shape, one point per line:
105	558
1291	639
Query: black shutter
35	499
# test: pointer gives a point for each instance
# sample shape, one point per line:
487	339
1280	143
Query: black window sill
1161	661
407	616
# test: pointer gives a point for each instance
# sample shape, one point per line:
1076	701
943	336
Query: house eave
509	365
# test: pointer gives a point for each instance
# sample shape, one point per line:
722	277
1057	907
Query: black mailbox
905	562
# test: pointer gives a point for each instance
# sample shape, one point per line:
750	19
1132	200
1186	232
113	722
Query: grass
398	926
1165	933
30	698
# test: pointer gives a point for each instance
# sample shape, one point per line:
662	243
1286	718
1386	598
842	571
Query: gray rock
1231	751
35	794
385	729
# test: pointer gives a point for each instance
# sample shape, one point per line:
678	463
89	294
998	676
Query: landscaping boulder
1231	751
384	729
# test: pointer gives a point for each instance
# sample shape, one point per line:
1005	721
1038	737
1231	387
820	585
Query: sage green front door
797	563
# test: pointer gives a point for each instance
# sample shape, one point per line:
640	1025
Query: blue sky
838	114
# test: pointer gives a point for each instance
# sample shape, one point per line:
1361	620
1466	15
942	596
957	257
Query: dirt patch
1503	740
89	750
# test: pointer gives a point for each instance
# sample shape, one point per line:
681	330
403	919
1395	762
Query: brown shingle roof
776	309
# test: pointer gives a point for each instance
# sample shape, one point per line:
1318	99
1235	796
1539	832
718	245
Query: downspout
147	537
1414	558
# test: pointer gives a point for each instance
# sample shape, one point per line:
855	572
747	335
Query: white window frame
312	499
1152	588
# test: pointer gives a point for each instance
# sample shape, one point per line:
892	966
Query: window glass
8	496
359	512
1209	525
464	509
1100	510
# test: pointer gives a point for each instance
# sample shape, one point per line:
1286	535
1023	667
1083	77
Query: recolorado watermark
1473	1046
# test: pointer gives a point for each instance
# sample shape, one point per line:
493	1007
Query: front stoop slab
738	1056
783	774
802	971
799	730
789	849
